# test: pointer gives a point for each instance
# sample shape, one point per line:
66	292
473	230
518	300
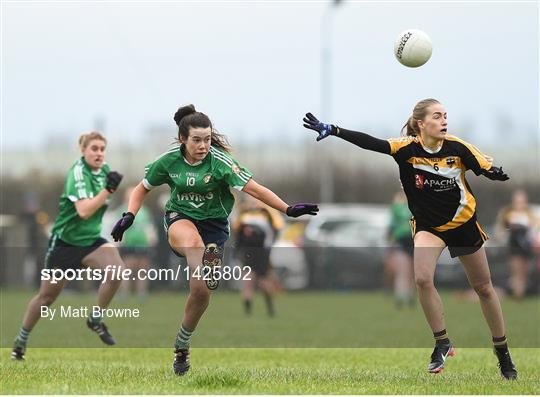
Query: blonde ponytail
419	113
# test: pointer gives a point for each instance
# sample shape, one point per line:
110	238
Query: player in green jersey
400	255
199	172
76	238
137	247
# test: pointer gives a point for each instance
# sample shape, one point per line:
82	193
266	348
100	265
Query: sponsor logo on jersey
195	196
173	175
235	169
207	178
450	161
419	181
173	215
438	185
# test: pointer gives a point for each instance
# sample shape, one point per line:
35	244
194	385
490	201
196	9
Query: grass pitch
263	371
320	343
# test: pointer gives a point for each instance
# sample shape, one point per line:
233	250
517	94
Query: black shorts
61	255
257	258
212	231
463	240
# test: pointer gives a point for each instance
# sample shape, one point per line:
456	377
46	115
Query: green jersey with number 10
200	190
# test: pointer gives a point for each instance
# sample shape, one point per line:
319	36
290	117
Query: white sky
254	67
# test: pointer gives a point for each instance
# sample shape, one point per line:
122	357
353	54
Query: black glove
113	179
495	174
122	225
324	130
297	210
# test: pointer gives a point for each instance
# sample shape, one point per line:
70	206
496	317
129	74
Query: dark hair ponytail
186	117
183	112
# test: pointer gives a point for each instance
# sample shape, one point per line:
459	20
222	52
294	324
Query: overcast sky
254	67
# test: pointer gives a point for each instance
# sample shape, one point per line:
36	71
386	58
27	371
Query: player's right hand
324	130
122	225
113	179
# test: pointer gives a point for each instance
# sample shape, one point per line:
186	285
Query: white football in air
413	48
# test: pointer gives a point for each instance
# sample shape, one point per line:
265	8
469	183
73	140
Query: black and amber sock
500	343
441	337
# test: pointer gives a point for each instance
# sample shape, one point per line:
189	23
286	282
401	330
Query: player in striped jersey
76	237
432	166
199	172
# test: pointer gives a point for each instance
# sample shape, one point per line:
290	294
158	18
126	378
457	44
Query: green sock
183	337
94	320
22	338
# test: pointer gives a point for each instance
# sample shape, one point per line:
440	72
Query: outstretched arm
360	139
365	141
136	198
265	195
268	197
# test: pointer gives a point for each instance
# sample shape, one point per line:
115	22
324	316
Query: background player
519	223
199	172
75	239
432	167
400	255
137	248
256	230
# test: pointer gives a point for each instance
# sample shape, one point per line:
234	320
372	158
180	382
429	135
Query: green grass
307	319
320	343
263	371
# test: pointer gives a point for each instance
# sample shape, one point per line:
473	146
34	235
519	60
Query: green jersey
201	190
399	223
81	183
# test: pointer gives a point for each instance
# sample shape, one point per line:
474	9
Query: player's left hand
112	181
294	211
496	174
324	130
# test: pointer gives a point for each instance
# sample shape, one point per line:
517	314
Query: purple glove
122	225
300	209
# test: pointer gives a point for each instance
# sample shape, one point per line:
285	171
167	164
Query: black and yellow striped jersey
434	182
